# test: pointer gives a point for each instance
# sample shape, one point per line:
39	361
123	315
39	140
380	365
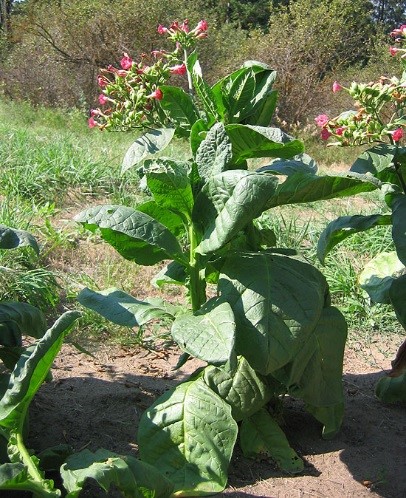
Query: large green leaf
228	202
263	113
391	389
122	308
214	152
378	161
238	94
245	390
10	238
399	225
173	274
379	274
189	435
203	90
258	141
315	372
30	372
169	183
209	334
15	477
169	219
261	435
397	294
302	187
302	163
277	303
180	108
135	479
148	144
135	235
17	319
344	226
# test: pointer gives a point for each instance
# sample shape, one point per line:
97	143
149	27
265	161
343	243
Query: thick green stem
197	284
26	459
189	76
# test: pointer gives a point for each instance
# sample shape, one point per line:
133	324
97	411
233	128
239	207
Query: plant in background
269	330
380	118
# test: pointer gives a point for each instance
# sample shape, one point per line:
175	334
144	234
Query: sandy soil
97	402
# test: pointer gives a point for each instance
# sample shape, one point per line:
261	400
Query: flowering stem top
130	95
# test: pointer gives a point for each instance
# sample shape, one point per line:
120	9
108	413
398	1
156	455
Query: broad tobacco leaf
261	436
211	103
315	372
227	203
209	334
397	295
260	141
10	238
399	225
189	435
244	389
147	145
378	161
122	308
379	274
135	235
179	107
302	163
17	319
169	219
305	187
135	479
214	153
31	370
169	183
277	302
344	226
392	389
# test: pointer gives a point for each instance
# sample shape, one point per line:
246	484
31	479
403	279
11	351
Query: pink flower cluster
399	34
130	93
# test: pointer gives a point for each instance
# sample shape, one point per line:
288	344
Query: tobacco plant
379	119
259	316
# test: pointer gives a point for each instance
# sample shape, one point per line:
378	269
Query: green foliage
271	330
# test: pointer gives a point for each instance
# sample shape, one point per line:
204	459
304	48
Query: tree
390	13
5	15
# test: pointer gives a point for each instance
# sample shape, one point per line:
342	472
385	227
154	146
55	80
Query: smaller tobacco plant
23	372
270	329
379	119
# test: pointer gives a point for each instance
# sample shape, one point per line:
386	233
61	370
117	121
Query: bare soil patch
97	402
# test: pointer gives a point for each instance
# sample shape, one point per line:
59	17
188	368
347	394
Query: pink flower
397	134
156	94
102	99
162	30
399	31
393	51
185	26
178	69
325	134
95	112
102	81
92	122
336	87
202	26
321	120
340	130
122	73
126	62
175	26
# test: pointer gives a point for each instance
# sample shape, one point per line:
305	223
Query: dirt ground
97	402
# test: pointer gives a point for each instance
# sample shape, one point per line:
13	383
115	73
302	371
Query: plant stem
197	285
189	76
26	458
